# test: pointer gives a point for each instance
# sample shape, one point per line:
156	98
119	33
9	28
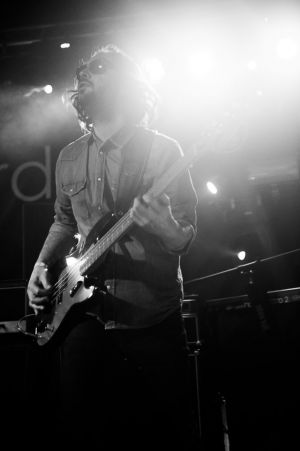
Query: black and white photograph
150	225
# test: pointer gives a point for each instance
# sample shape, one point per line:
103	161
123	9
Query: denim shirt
143	278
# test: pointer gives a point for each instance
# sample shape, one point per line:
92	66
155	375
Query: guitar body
73	287
75	291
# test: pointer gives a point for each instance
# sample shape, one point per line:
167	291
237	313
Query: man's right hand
39	288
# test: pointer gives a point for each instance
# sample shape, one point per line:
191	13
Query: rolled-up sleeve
181	191
183	200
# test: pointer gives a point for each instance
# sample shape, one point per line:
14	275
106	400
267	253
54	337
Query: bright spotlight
241	255
211	187
65	45
200	63
287	48
153	69
252	65
71	261
48	89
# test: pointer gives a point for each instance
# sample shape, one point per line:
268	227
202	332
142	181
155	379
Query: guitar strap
135	157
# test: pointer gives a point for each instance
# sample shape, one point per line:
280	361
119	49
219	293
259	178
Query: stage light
287	48
200	63
65	45
241	255
71	261
252	65
211	187
153	69
48	89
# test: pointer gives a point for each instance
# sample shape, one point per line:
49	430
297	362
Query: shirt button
99	179
101	152
99	208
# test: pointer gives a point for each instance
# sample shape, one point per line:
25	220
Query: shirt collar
118	139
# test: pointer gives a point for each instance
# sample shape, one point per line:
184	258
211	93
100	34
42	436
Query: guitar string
76	267
97	248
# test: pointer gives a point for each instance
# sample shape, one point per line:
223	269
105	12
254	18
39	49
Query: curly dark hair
141	98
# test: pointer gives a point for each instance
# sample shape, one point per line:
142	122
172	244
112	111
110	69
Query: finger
37	300
146	215
41	292
34	290
164	199
147	199
139	218
157	204
34	294
41	299
36	308
157	208
139	210
46	280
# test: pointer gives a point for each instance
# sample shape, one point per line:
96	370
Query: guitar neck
171	174
95	252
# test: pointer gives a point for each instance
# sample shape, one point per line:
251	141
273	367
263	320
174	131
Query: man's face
98	87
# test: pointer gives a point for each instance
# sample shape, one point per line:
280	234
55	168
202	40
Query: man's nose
85	74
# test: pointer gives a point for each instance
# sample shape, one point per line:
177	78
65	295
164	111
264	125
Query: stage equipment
239	336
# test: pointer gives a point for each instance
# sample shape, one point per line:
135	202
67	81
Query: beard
102	105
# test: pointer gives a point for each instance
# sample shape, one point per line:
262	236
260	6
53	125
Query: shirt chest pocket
77	192
73	181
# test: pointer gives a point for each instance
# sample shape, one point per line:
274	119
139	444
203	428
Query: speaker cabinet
13	300
14	357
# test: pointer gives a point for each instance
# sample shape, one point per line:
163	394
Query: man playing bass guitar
124	360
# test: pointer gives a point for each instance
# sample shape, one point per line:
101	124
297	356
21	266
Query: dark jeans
126	388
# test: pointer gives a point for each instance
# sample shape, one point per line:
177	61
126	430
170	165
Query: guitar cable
21	328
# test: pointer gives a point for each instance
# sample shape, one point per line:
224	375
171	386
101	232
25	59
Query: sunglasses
95	67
